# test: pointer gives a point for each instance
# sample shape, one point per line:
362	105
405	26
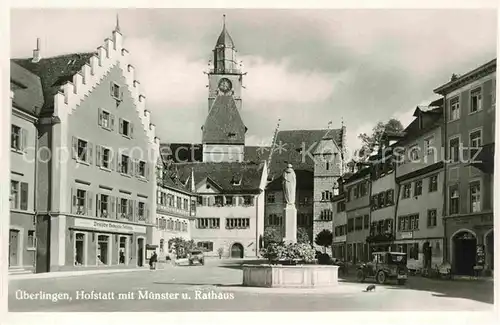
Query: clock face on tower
225	85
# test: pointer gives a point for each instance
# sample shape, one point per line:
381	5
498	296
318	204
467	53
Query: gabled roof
292	146
54	72
231	177
27	88
430	119
224	124
175	184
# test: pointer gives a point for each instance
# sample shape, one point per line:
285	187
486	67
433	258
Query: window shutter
147	212
131	170
112	212
98	155
119	163
130	210
98	206
73	200
120	121
118	210
24	140
112	122
131	126
24	196
89	152
146	167
75	147
121	94
111	88
99	117
88	194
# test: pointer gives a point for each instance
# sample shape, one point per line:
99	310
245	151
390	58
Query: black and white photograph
250	160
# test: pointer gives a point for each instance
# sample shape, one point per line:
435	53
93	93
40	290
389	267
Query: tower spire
224	21
117	27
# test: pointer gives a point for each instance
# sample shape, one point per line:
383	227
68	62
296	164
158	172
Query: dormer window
235	181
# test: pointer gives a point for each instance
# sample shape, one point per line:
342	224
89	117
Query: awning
485	159
149	246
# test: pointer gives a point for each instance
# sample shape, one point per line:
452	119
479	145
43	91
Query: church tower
223	134
225	74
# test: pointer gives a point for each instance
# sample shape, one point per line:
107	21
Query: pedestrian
153	260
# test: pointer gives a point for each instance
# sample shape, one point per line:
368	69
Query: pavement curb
65	274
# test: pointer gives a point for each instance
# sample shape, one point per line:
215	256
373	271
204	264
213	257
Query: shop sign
109	226
407	235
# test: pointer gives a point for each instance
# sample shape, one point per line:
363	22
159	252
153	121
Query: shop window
79	249
103	250
123	248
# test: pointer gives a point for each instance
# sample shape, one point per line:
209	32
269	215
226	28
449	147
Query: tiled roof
181	152
289	146
27	87
175	184
224	124
304	178
193	152
231	177
360	174
256	154
54	72
430	120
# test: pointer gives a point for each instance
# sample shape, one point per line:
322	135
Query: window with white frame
406	191
31	240
475	142
141	169
81	199
454	201
126	128
83	148
429	145
106	119
454	109
476	101
414	153
454	149
18	138
475	196
431	218
418	188
433	183
103	205
141	211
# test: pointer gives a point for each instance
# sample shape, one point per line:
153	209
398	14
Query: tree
374	141
220	252
180	246
324	238
302	236
272	235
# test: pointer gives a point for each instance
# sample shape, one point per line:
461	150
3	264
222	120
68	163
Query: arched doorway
489	248
237	250
464	252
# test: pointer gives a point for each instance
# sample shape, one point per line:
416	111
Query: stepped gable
229	177
292	146
27	89
224	124
68	79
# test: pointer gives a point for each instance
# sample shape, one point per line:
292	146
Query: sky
304	67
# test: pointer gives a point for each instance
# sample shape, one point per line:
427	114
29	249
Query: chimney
36	52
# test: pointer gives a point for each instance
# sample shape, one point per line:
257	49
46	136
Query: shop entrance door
13	247
140	252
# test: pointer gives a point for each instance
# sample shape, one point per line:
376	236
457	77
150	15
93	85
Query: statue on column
289	185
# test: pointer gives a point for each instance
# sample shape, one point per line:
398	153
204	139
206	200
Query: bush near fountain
291	265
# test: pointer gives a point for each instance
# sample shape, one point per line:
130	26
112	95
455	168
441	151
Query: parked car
384	266
196	256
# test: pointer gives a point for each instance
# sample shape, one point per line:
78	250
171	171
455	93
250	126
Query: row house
382	201
27	100
419	196
469	131
175	210
357	189
230	207
339	230
95	189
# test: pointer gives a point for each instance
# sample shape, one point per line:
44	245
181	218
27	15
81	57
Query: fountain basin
290	276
